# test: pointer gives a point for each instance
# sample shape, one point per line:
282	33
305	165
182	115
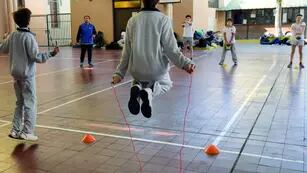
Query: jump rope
141	168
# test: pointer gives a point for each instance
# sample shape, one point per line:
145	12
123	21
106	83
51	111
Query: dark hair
299	15
87	16
150	3
188	16
229	20
22	17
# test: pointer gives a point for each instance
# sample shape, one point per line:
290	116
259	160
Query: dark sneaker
301	65
290	65
235	64
146	97
134	104
81	65
221	63
91	66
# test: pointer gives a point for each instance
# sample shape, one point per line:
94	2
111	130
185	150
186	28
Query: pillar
169	10
11	7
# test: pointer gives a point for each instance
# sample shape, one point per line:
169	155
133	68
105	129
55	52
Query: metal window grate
46	34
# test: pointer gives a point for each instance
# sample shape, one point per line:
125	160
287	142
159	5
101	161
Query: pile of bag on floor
207	39
270	39
203	39
99	41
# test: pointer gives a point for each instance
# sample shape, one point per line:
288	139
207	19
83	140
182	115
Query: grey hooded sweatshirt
150	46
24	53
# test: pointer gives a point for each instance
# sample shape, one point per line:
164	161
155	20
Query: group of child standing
146	56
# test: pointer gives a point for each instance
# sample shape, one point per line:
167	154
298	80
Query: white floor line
236	115
4	121
86	96
58	71
83	97
158	142
5	124
68	69
2	83
154	141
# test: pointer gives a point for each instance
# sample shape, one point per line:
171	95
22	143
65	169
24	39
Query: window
21	3
265	16
290	14
54	11
259	16
213	3
239	16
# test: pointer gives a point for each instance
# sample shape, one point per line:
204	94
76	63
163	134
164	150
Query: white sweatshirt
149	48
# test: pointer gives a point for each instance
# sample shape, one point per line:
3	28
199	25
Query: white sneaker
28	137
146	96
14	135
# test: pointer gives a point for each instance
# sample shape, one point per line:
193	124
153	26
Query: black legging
89	49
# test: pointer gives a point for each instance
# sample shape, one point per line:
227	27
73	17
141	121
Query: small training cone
225	65
296	67
212	150
88	139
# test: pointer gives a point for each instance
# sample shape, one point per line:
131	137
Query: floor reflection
25	158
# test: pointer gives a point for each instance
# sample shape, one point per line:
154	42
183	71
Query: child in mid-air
229	42
24	53
150	45
298	30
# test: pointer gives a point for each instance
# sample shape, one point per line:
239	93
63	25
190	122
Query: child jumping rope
24	53
149	47
298	30
229	42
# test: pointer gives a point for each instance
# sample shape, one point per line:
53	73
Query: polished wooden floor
255	113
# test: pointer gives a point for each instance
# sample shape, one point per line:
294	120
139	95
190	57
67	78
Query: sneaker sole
133	104
33	140
13	137
145	108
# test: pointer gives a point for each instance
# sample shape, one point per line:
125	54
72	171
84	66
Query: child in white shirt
229	42
188	34
297	30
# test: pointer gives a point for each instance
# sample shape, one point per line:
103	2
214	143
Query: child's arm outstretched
4	47
35	55
171	49
122	68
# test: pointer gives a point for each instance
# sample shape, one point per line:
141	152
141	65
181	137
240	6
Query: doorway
121	17
123	11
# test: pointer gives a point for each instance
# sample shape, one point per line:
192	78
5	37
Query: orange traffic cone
88	139
212	150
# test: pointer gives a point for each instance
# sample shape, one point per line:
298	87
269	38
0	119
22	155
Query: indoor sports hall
245	116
